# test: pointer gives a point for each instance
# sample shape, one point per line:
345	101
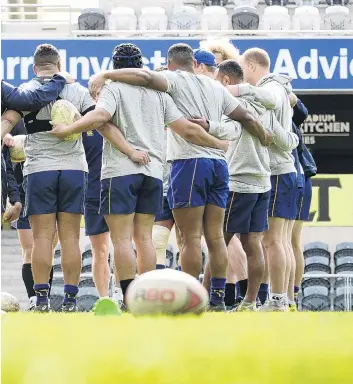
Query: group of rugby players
209	144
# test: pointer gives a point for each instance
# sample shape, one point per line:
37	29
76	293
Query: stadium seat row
245	17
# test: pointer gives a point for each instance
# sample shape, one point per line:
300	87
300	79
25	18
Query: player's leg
118	204
71	195
163	224
150	195
189	222
213	223
298	253
302	215
276	258
187	195
25	237
41	207
97	230
265	281
290	289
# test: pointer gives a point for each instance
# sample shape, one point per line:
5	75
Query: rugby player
29	100
198	187
223	49
205	63
55	176
249	168
307	169
131	194
256	66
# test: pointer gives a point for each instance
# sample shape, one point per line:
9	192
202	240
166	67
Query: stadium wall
324	64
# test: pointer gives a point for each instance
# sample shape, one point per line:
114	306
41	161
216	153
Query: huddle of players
231	168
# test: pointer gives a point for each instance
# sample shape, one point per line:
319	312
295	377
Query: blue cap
205	57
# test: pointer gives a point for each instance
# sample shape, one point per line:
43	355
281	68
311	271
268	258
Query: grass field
246	348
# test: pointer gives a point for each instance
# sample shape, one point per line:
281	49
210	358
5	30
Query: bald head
256	64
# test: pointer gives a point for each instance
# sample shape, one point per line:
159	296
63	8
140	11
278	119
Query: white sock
32	301
118	294
277	296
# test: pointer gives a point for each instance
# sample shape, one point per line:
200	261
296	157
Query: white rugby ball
17	151
64	112
166	292
9	303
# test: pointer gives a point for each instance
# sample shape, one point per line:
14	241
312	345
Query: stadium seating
214	18
317	254
184	18
342	293
123	18
153	18
276	17
337	17
306	17
215	2
344	255
35	28
92	19
316	295
245	17
87	295
57	294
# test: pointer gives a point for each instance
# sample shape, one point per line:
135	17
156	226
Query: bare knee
252	239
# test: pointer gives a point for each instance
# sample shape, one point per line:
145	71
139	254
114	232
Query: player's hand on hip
66	75
96	83
59	130
140	157
13	213
8	140
202	122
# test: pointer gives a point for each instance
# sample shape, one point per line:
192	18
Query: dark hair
46	54
232	69
211	68
127	56
181	54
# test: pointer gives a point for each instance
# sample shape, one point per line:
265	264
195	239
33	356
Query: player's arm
12	189
226	129
195	134
300	113
285	141
32	100
113	134
8	120
252	124
262	95
133	76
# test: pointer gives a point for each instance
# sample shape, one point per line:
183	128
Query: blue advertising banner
313	64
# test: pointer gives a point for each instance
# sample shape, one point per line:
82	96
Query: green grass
246	348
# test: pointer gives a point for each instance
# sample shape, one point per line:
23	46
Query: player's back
141	114
196	96
44	151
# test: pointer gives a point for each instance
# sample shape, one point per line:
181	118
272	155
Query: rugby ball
9	303
64	112
166	292
17	151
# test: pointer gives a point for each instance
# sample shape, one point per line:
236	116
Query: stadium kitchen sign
313	64
329	123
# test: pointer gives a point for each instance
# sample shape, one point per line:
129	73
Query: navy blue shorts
283	201
95	223
197	182
54	191
23	221
305	202
138	193
166	214
247	212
